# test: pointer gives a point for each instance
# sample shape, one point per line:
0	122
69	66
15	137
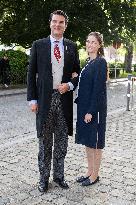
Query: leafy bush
119	66
134	66
83	56
125	74
82	62
18	65
112	73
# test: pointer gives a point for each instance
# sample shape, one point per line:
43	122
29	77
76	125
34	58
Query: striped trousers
54	135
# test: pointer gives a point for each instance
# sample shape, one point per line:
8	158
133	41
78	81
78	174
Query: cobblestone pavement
19	148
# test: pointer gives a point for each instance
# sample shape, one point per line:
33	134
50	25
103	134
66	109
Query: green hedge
18	65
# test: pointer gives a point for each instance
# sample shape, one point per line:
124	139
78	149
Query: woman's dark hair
61	13
99	38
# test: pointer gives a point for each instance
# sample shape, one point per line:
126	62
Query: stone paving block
116	201
4	201
89	201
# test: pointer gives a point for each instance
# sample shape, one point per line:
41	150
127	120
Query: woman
92	108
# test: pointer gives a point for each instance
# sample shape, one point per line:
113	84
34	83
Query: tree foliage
23	21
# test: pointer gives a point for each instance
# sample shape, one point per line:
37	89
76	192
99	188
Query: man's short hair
61	13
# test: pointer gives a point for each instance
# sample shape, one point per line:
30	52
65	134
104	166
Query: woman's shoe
81	179
88	182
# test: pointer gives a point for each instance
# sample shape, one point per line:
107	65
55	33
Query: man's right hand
34	108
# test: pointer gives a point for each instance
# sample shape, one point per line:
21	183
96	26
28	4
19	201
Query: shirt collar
53	39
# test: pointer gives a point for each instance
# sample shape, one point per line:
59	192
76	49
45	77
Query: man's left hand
63	88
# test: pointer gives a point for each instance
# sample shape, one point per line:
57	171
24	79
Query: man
5	70
53	61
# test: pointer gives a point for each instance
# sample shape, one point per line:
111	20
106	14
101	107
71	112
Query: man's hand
88	118
63	88
34	108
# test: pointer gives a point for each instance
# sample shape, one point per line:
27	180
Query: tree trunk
128	57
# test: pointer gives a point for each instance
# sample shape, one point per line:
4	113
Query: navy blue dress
92	98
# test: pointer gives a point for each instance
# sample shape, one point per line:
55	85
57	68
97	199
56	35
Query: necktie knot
56	41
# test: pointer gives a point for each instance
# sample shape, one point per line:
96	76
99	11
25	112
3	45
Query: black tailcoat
40	80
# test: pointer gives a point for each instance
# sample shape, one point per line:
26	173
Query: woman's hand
74	75
88	118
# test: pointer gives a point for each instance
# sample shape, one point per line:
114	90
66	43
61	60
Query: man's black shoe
62	183
43	186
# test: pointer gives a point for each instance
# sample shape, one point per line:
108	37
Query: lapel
48	54
48	47
65	43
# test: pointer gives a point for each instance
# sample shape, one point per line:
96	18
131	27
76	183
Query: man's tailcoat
40	80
